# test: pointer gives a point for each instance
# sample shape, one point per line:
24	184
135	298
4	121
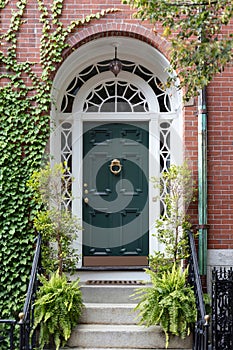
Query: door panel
115	205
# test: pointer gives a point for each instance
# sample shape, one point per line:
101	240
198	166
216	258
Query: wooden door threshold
113	268
115	261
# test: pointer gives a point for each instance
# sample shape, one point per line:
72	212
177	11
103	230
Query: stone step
68	348
99	313
94	336
109	322
109	293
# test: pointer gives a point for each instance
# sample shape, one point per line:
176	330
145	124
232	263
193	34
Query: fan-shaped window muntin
115	97
150	78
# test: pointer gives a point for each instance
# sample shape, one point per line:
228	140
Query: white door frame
154	165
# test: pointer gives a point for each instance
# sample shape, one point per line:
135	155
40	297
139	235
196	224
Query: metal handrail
25	341
9	334
27	316
33	278
201	330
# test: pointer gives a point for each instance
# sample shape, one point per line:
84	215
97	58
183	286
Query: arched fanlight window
116	97
113	91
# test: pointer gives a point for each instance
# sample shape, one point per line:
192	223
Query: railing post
12	327
21	332
26	318
201	335
206	328
8	334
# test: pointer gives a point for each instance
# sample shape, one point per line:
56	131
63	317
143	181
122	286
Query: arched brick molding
118	29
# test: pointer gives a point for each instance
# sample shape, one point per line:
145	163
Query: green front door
115	194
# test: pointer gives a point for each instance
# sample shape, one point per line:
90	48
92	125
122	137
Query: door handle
86	200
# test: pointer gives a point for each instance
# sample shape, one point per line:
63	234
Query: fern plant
170	303
58	307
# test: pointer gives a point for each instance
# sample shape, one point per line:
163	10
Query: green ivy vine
3	3
25	128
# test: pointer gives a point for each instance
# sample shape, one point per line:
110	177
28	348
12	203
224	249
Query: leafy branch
200	48
176	193
54	221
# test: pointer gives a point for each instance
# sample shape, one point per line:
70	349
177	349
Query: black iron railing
16	335
201	329
222	309
7	330
28	341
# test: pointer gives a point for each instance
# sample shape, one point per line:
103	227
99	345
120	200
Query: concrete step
94	336
67	348
109	293
109	322
99	313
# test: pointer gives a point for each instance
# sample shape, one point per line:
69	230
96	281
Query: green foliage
19	156
177	192
58	307
170	303
3	3
58	303
159	262
24	108
54	221
207	302
200	48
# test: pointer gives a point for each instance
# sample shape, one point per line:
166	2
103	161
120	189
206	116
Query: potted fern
58	307
58	303
170	301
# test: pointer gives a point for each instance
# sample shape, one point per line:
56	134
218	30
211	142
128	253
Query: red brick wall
190	134
220	105
220	160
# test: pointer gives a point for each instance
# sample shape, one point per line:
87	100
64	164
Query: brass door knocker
115	166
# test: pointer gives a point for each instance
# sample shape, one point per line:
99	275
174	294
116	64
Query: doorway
94	107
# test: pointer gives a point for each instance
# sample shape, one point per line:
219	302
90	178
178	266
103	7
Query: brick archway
136	31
